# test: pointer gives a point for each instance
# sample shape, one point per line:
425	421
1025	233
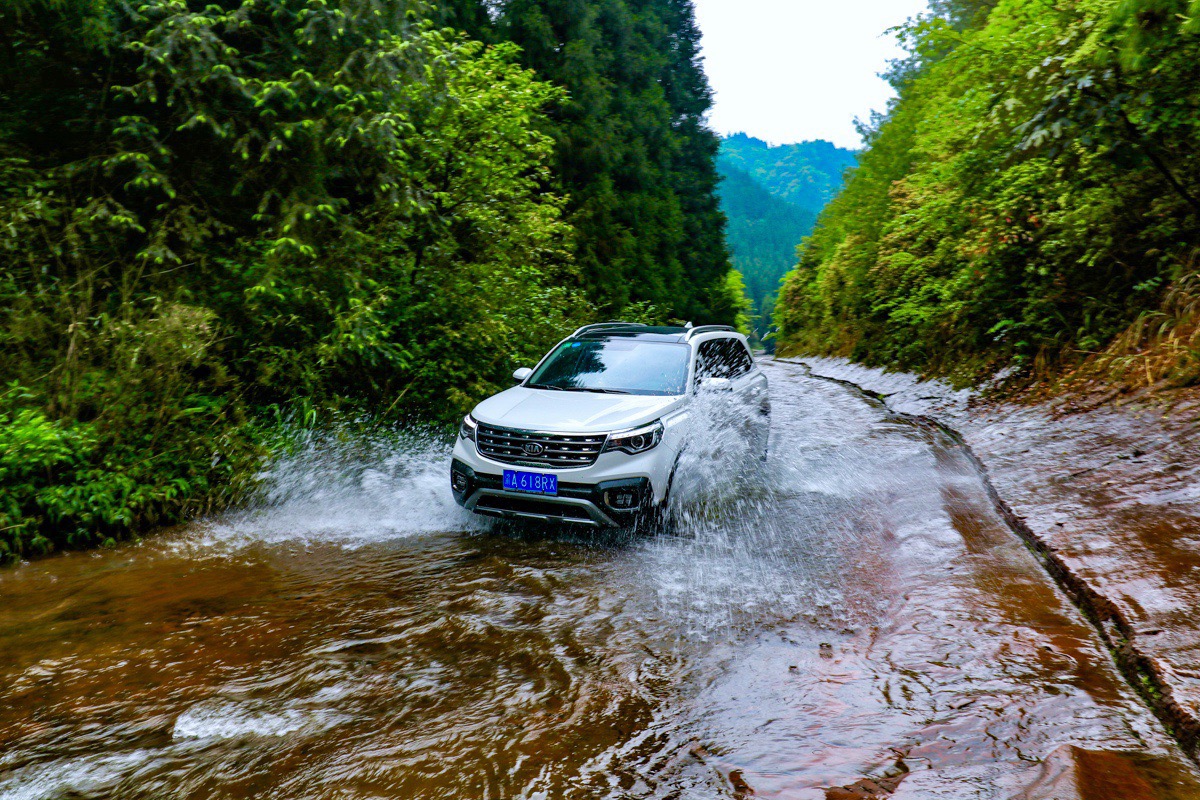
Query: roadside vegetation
1032	200
220	217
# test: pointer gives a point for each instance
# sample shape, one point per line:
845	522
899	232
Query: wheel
658	518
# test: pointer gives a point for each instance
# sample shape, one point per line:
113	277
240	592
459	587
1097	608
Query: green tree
632	155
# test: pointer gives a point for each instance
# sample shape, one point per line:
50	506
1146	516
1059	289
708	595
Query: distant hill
807	174
763	232
771	196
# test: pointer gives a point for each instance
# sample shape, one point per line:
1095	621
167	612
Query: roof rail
708	329
604	325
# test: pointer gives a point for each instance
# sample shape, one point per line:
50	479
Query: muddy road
856	621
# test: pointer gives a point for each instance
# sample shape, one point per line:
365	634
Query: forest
222	219
771	196
1029	205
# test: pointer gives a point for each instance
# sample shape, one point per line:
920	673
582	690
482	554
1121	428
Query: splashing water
848	605
353	485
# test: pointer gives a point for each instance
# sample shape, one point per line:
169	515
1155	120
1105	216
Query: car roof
654	333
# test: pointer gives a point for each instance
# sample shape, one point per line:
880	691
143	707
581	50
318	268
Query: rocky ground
1108	496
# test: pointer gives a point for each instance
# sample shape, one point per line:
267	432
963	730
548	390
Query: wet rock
1072	773
873	788
740	787
865	789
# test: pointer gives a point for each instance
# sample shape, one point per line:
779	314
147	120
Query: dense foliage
218	214
633	155
763	227
1032	196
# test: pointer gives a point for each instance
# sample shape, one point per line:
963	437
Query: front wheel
658	518
655	519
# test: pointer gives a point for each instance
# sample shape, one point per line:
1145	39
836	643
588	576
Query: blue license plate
532	482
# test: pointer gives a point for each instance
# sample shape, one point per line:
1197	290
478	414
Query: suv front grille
557	449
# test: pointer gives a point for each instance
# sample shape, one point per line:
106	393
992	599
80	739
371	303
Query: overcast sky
792	70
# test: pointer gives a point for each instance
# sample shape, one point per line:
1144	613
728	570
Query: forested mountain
221	215
771	210
633	157
1032	200
806	174
763	232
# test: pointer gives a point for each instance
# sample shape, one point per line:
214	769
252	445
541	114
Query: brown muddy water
857	615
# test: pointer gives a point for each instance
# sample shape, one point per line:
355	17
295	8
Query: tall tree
633	154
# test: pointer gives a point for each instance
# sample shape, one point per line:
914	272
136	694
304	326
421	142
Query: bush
216	212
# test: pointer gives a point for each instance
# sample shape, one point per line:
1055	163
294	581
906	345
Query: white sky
793	70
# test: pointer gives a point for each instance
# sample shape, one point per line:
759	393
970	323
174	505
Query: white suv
593	434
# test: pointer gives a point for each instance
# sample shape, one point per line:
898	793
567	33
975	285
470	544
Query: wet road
856	616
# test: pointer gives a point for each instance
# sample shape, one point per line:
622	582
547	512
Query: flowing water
855	614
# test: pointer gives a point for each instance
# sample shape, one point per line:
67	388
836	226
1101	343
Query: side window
723	358
742	361
709	361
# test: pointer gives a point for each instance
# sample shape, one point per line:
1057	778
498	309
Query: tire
658	518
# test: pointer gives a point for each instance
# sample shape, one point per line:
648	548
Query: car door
750	387
750	391
728	360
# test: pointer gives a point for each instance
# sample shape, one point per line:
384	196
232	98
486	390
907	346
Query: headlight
638	440
468	427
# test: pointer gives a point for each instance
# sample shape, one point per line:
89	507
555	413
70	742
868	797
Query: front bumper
589	504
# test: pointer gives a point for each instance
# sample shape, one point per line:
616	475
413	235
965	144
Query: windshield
620	366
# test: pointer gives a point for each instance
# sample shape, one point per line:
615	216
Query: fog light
621	499
458	482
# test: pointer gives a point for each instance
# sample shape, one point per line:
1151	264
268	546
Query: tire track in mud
1117	632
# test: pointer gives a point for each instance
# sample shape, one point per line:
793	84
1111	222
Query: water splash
352	485
78	777
762	541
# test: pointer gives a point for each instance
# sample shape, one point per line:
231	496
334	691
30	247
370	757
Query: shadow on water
850	611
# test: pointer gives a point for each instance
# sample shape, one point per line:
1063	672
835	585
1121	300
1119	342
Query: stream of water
854	614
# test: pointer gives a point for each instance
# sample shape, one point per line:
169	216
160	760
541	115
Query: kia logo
533	449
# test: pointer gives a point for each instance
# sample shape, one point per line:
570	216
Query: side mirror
716	385
521	374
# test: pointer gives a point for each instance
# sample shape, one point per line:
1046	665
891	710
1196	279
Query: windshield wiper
574	388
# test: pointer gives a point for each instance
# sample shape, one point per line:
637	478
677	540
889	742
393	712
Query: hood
572	412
